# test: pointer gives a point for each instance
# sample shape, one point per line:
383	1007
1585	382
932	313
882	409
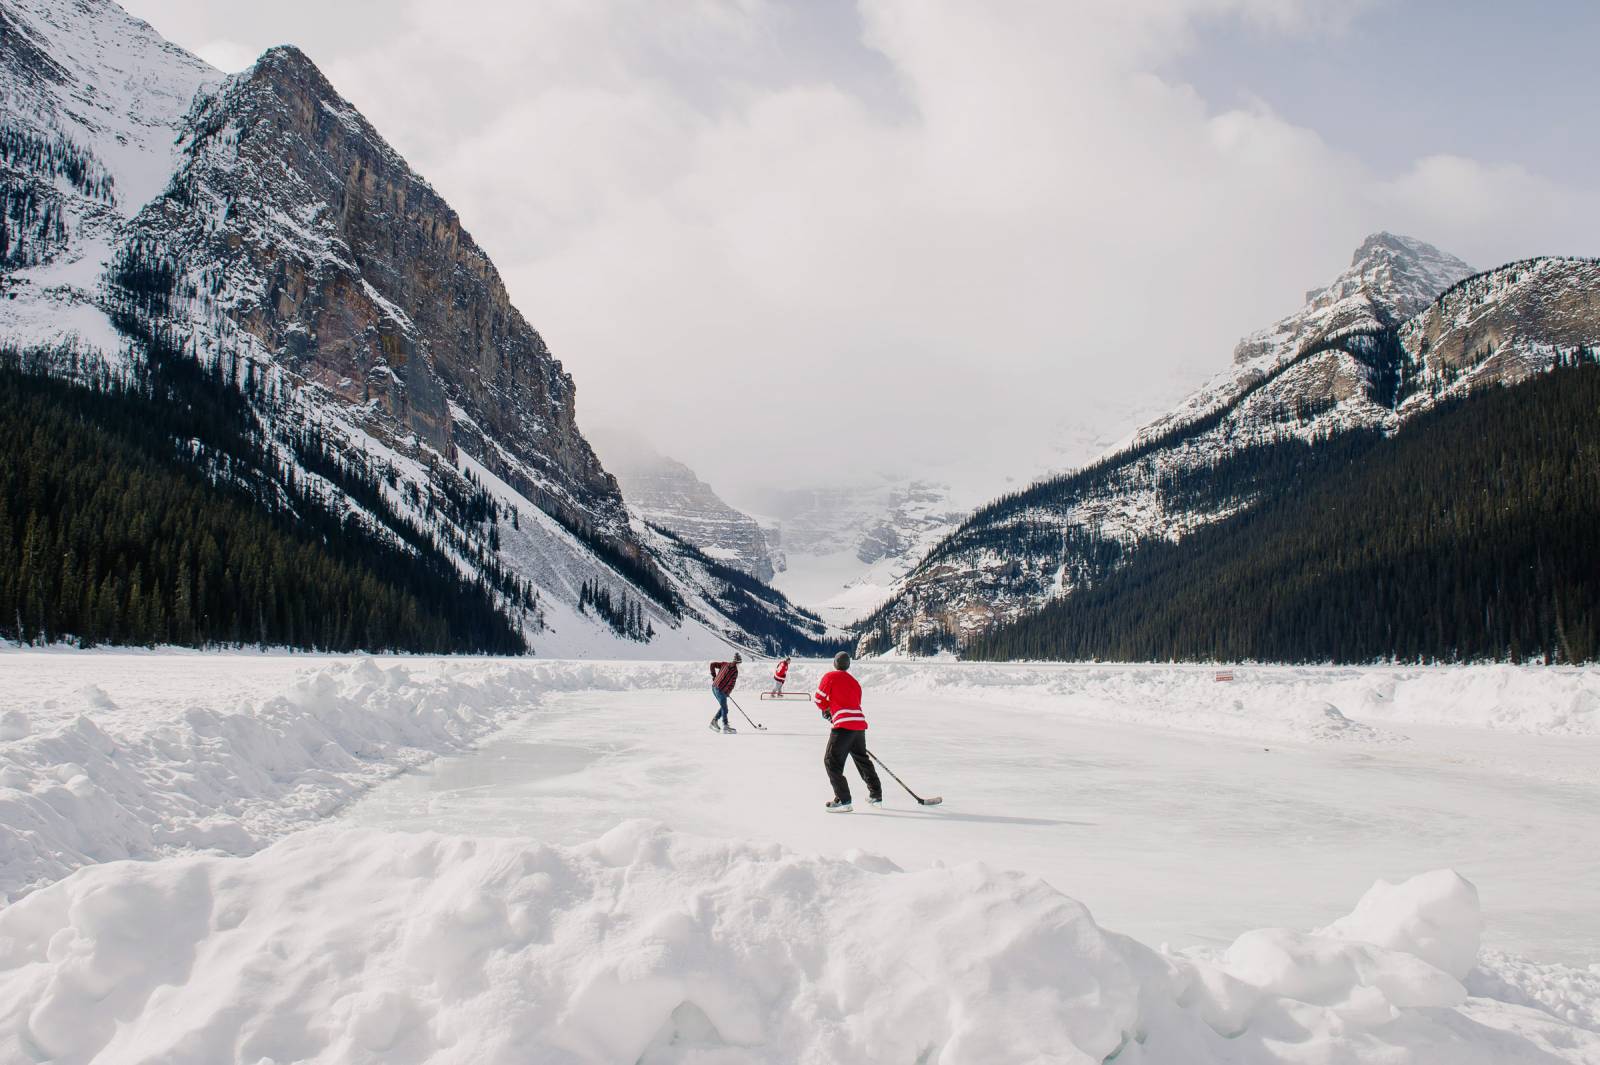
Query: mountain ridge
261	229
1341	364
1416	547
663	491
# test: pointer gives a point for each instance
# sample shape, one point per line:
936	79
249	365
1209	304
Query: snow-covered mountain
259	226
1403	328
663	491
844	545
1390	279
875	518
93	101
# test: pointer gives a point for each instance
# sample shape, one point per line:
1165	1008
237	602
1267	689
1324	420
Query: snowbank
1281	702
83	780
648	946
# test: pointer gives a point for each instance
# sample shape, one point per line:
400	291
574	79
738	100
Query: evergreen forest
142	511
1471	534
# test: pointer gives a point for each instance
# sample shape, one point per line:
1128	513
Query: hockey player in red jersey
838	696
780	675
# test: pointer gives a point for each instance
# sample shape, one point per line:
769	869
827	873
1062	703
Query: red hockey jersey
782	671
839	696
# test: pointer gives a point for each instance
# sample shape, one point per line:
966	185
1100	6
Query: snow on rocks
650	946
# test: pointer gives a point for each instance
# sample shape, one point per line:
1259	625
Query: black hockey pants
851	743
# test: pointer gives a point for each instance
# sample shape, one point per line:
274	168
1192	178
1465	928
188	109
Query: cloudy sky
807	240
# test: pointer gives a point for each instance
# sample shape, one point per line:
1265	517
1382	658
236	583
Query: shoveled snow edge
342	945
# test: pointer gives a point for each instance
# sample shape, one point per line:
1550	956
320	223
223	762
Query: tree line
1468	535
142	511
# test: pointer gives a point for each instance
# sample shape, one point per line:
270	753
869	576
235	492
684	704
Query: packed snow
650	946
1258	830
129	756
571	867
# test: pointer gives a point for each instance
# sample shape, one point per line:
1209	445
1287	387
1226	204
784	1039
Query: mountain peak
1390	279
288	59
1383	242
1398	275
91	75
1412	271
288	71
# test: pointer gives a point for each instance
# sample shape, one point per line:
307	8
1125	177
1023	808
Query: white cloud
796	237
1499	211
228	56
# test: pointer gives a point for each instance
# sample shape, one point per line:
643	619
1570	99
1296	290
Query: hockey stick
735	702
932	801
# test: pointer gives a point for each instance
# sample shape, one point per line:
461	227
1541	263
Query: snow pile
1553	701
648	946
1433	916
1404	946
14	725
1278	702
82	781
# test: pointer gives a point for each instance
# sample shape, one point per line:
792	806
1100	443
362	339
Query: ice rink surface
1170	836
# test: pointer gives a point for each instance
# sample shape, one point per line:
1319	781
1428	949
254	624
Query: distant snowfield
838	587
588	874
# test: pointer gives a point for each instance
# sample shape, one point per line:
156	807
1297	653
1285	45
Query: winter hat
842	661
737	657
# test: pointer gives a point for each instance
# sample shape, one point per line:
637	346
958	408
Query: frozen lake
1169	836
464	860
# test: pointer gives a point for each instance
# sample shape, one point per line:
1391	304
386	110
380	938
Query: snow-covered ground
599	878
1114	816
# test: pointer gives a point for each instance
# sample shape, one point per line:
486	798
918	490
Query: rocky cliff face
1402	329
258	226
292	218
1502	326
665	492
